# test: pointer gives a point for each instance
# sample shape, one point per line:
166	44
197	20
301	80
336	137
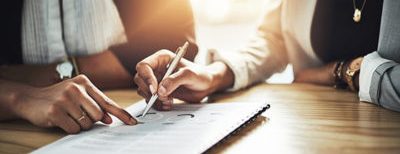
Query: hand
191	82
321	75
73	105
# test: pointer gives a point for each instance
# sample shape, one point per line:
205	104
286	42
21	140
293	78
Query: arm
191	82
389	35
379	82
389	87
380	71
263	56
103	69
8	96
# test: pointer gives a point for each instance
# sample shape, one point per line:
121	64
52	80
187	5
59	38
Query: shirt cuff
235	63
368	66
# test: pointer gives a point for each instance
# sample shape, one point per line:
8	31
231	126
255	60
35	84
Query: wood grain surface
303	118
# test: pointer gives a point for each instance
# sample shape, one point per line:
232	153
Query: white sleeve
263	56
368	66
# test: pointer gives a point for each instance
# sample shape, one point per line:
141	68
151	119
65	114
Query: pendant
357	15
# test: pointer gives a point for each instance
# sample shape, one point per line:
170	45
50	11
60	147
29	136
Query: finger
147	98
109	105
164	103
158	61
106	119
146	77
90	106
80	117
167	105
158	105
64	121
171	83
69	125
144	93
142	85
140	92
165	100
79	98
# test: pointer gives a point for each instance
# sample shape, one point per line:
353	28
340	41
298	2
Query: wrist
13	97
20	101
221	76
43	75
351	72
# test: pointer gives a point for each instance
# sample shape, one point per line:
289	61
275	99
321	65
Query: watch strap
75	65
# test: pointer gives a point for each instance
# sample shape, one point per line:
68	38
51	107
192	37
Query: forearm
389	91
382	88
35	75
9	92
103	69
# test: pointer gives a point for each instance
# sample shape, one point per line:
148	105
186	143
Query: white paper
187	129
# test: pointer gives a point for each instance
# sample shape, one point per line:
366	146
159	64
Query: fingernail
162	90
107	119
152	89
132	121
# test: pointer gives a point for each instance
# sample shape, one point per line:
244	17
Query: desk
303	118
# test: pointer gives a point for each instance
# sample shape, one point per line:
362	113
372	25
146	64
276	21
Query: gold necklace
357	12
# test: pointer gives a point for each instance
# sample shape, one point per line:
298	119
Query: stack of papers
187	129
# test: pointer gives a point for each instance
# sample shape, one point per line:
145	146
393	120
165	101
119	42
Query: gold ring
82	117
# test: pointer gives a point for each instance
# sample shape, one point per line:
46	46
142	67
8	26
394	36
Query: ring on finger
82	117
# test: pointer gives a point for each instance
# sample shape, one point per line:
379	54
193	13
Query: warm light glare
217	9
213	10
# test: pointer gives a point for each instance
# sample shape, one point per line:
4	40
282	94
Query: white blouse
90	26
284	37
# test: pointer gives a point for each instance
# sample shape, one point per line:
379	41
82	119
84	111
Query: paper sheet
187	129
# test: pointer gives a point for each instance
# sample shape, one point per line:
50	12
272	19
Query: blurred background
227	25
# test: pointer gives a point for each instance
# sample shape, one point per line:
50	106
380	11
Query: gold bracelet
337	74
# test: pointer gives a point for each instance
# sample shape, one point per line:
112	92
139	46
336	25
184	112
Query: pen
170	68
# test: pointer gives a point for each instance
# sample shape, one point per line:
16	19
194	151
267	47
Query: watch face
66	67
65	70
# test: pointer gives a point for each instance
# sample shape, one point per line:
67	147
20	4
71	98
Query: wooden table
302	119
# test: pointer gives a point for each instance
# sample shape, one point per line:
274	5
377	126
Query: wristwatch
65	70
353	68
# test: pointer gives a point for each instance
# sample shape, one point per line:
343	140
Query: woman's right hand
73	105
190	82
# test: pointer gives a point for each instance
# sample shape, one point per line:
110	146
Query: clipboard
188	128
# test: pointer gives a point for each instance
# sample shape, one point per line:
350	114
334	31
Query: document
188	128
